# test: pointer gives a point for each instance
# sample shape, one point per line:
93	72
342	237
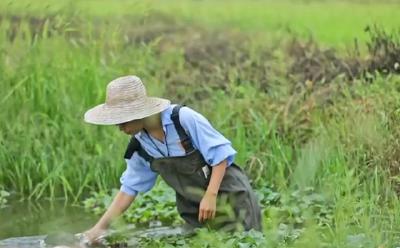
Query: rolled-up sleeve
212	145
138	177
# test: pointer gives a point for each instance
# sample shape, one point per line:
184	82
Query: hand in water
92	236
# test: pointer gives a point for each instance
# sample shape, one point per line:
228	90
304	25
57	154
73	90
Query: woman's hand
93	235
120	203
208	206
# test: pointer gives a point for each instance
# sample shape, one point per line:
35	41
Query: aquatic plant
156	205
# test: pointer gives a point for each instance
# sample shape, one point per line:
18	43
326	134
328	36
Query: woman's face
131	127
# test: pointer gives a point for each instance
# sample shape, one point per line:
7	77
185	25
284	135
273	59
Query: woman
180	145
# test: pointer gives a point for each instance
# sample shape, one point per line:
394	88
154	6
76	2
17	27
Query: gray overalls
189	175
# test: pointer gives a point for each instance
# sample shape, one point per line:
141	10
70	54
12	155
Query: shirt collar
166	116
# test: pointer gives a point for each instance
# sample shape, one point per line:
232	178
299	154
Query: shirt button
210	161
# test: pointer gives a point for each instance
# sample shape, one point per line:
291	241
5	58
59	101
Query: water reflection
45	217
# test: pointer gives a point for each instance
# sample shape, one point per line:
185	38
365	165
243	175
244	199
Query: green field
328	21
308	96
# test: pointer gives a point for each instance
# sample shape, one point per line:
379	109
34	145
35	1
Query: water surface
37	218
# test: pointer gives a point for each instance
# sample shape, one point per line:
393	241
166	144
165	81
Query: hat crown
126	100
124	90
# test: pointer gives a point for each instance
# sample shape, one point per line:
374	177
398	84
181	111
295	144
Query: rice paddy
307	91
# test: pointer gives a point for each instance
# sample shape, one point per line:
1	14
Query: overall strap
186	142
134	145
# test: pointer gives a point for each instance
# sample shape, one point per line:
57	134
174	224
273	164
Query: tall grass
47	87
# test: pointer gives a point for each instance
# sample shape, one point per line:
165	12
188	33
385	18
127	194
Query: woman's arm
208	204
120	203
217	151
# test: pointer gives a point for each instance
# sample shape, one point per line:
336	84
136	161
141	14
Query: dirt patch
144	29
384	51
311	63
217	60
153	27
35	27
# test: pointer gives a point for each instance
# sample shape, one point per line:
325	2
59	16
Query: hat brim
104	114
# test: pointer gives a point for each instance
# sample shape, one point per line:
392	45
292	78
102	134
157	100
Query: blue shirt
138	177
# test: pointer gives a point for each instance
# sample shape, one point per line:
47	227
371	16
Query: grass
322	155
275	19
314	18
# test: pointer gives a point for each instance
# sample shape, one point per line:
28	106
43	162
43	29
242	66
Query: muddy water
38	218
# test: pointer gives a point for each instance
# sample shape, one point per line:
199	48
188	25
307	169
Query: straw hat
126	100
